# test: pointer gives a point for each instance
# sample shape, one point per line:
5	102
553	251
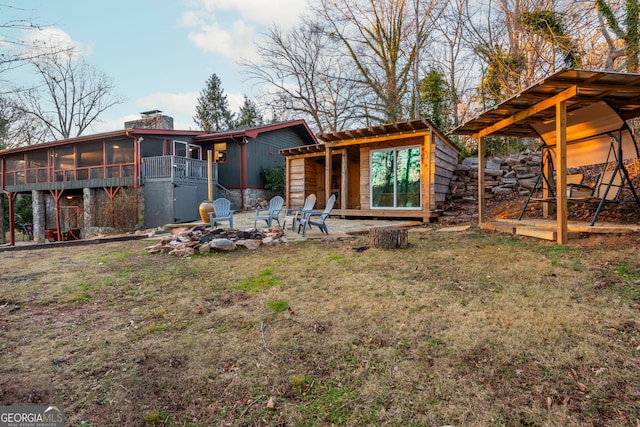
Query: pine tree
212	111
249	114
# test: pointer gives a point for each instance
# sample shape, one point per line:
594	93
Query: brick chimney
151	120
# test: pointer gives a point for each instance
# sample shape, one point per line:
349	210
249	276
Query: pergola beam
534	109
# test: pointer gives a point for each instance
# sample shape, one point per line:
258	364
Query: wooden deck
424	216
546	228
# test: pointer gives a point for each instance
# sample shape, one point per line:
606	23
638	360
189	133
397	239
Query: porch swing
607	188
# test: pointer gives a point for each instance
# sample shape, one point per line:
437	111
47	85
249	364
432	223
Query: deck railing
176	168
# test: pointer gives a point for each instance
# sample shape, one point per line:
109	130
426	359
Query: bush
274	180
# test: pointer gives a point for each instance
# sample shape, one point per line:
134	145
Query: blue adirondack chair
271	213
307	217
294	214
221	212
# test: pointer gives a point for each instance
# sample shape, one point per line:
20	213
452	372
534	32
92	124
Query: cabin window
184	149
180	148
395	178
220	152
151	148
195	152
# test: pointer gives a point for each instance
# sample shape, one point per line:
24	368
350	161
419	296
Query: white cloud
233	43
282	12
235	101
48	39
230	27
171	104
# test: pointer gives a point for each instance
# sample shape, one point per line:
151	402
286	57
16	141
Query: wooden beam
481	206
287	179
378	138
561	172
344	179
534	109
327	176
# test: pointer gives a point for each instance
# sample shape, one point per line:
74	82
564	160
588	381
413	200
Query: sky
158	53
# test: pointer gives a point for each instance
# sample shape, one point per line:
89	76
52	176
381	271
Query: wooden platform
547	228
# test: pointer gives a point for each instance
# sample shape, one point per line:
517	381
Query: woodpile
203	240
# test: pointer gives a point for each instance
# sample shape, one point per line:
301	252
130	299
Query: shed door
185	203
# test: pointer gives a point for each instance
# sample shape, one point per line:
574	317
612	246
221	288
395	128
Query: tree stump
389	237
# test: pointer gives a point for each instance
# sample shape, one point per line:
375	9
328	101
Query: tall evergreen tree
212	111
249	114
435	100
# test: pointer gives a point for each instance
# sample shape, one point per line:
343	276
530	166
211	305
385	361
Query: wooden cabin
399	170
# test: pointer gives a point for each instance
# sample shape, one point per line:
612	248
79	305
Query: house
399	170
146	174
242	155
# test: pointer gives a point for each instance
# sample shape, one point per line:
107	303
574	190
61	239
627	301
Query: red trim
254	132
56	195
106	135
12	218
112	193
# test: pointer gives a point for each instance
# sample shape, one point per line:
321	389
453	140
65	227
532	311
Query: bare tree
382	39
17	127
305	76
71	96
451	55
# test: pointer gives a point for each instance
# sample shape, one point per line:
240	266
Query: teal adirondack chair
221	212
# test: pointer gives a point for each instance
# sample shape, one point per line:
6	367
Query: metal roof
620	90
410	126
253	132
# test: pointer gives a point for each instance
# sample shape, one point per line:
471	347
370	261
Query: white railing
176	168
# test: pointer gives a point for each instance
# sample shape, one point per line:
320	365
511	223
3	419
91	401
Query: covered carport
579	115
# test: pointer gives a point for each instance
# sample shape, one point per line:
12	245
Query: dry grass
466	329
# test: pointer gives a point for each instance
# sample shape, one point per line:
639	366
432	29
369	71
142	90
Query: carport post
561	172
481	205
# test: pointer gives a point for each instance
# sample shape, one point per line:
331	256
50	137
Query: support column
481	203
3	231
327	176
344	180
561	172
547	171
39	215
88	213
287	182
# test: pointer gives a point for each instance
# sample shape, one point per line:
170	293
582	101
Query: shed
399	170
579	115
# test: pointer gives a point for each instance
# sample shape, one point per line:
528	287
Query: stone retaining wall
515	174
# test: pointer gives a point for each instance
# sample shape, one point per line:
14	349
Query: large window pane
15	162
408	178
179	149
89	154
64	158
37	159
382	168
119	152
395	178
